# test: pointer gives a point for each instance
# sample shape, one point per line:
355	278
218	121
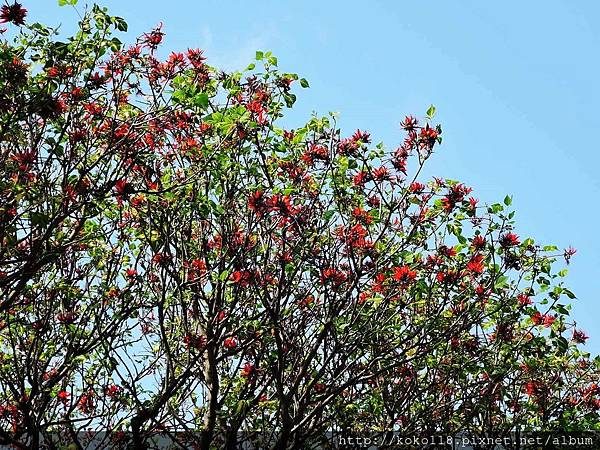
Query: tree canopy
174	260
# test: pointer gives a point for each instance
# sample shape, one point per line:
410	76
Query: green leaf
201	100
67	2
120	23
507	200
224	275
431	112
259	55
39	219
501	281
561	309
562	344
328	215
304	83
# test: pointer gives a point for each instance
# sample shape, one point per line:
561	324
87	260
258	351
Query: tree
174	261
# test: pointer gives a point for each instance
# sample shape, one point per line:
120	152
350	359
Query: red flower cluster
476	264
456	194
361	136
248	371
347	147
86	403
14	13
333	276
260	203
416	188
354	237
427	137
409	123
524	300
196	269
241	277
478	242
63	396
404	275
230	342
509	240
315	153
534	388
449	277
579	337
194	341
154	38
362	216
543	319
448	252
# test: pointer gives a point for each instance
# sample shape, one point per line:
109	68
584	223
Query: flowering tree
174	261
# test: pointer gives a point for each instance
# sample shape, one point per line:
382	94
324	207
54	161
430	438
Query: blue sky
515	85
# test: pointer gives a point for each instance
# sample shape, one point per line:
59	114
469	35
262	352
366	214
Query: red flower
240	277
199	265
579	337
417	188
154	38
543	319
409	123
509	240
112	391
93	108
448	252
122	187
362	136
532	388
137	200
428	136
355	237
248	370
306	301
191	340
334	276
449	277
230	342
14	13
63	396
569	252
524	300
288	135
361	178
381	173
257	202
282	204
404	275
86	403
122	131
347	147
159	258
131	273
478	242
66	317
476	265
53	72
195	57
97	80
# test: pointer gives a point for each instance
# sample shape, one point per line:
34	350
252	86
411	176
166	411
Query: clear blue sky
515	84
